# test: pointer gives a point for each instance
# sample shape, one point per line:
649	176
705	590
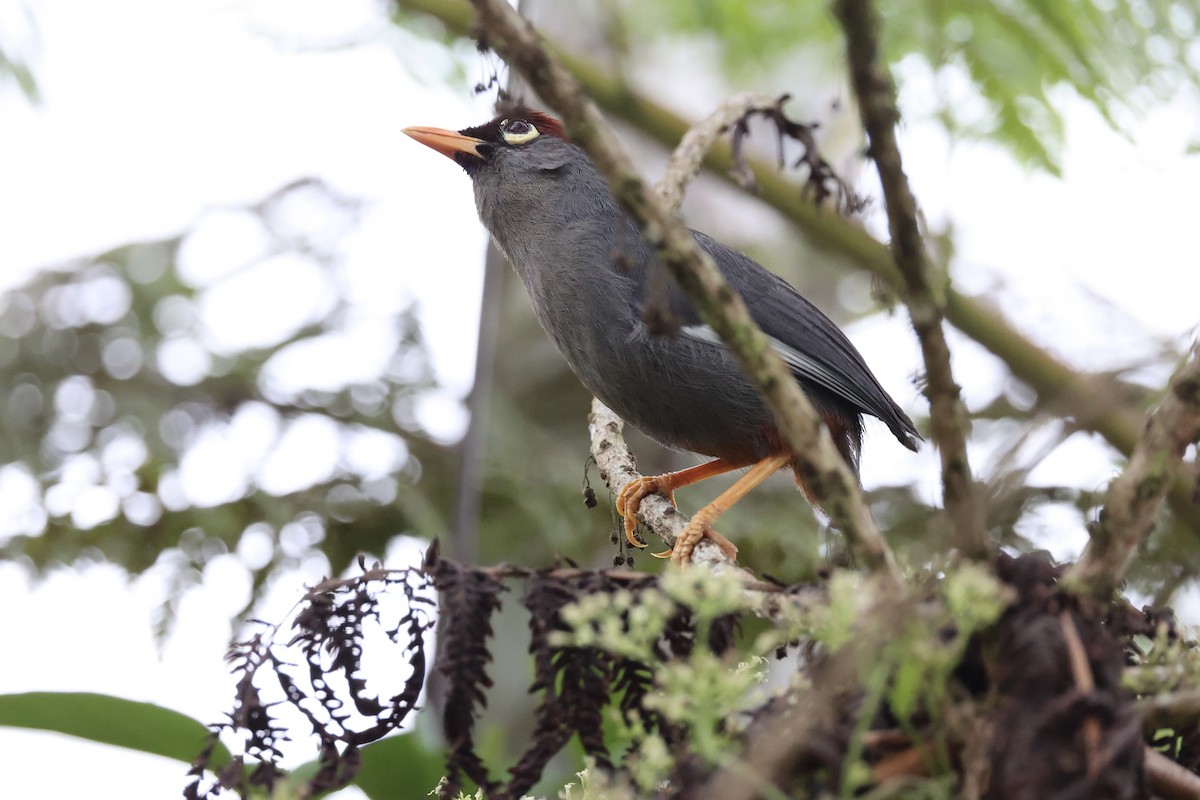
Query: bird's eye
518	131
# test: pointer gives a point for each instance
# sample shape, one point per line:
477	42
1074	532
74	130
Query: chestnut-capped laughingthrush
585	265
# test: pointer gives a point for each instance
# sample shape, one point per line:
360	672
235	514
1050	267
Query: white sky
158	112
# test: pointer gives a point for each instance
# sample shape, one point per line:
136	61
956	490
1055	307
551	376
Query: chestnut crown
518	127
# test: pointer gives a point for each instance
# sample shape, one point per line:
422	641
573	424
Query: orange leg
630	498
701	525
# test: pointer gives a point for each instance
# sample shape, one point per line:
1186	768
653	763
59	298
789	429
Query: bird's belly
684	397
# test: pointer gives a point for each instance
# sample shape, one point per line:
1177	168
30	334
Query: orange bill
448	143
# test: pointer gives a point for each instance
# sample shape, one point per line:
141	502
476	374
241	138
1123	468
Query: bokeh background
240	312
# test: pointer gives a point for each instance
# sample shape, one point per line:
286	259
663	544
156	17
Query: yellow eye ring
517	131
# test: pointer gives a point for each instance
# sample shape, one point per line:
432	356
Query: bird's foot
630	499
699	528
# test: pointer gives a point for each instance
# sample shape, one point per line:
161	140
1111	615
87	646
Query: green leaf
21	73
398	766
102	718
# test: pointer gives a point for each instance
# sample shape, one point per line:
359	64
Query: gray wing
813	347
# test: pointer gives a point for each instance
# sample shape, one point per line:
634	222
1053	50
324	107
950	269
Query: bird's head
528	179
520	138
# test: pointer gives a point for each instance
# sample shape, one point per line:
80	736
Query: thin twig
821	467
682	167
1085	683
1134	497
688	158
948	415
464	542
693	148
909	762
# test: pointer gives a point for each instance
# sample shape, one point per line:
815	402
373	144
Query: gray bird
585	265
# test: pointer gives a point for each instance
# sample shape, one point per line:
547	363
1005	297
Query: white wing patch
804	366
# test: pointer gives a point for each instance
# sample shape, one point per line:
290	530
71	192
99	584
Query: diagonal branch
688	157
1134	497
515	39
948	415
684	165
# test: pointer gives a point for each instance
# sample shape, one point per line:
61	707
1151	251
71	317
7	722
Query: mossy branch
923	291
1134	498
688	157
618	468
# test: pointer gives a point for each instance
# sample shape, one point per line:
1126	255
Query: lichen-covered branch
925	297
693	149
1134	497
618	468
824	471
688	157
685	163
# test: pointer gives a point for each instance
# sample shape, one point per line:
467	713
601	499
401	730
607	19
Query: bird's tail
847	432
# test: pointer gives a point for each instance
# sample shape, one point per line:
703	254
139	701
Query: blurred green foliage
1122	56
111	378
18	46
18	71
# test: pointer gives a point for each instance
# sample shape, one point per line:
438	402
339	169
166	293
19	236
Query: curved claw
629	500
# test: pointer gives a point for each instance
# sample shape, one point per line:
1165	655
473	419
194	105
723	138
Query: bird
587	267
